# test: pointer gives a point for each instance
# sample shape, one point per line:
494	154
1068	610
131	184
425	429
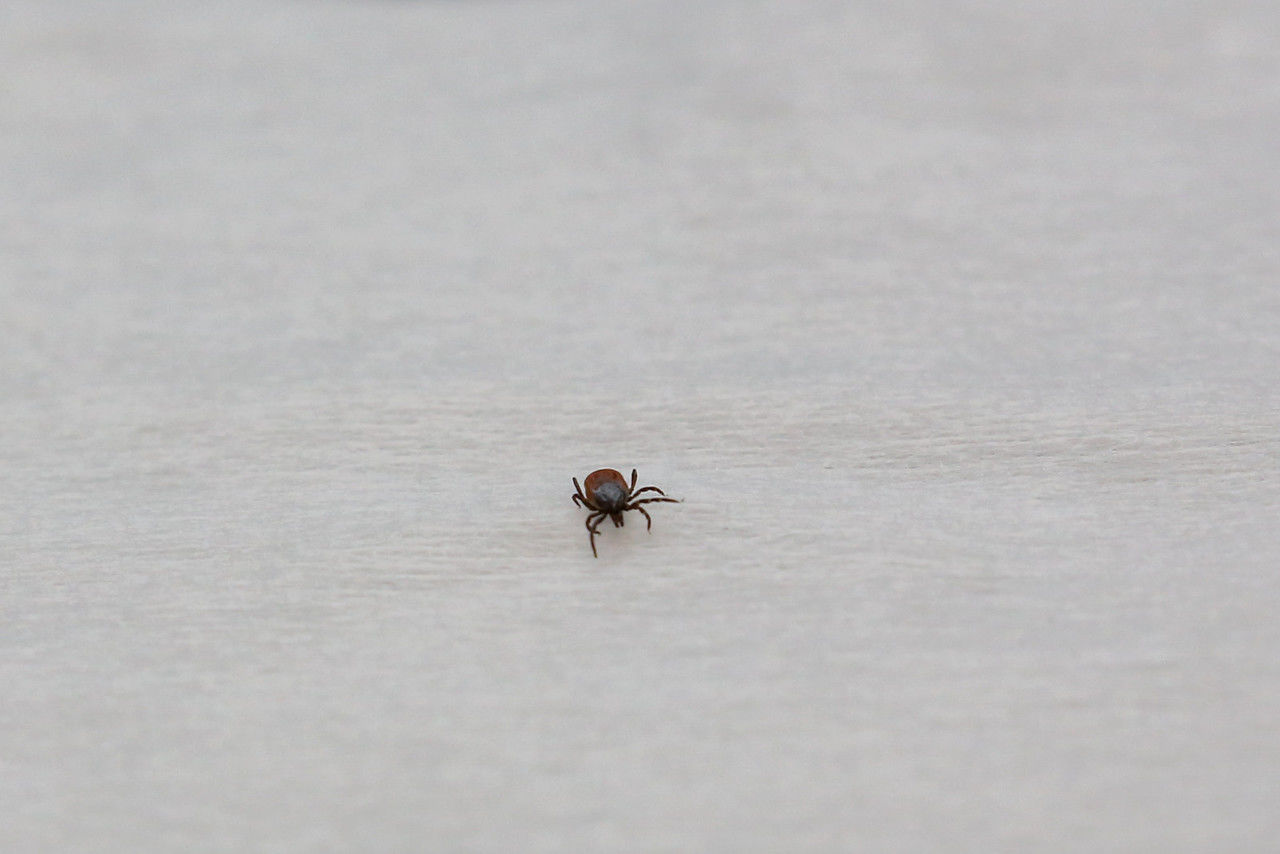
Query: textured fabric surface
956	327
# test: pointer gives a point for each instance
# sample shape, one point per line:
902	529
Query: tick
607	494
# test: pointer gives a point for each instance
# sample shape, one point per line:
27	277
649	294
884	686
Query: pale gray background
955	324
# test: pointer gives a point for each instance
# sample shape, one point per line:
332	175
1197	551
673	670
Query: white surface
957	329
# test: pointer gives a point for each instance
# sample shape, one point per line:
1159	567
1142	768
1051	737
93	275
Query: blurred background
956	327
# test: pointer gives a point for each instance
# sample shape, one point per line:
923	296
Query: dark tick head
610	497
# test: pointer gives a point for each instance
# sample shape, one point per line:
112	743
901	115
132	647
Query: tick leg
593	532
578	490
647	489
636	504
645	513
634	476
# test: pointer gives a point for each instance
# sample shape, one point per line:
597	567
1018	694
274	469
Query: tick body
607	495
